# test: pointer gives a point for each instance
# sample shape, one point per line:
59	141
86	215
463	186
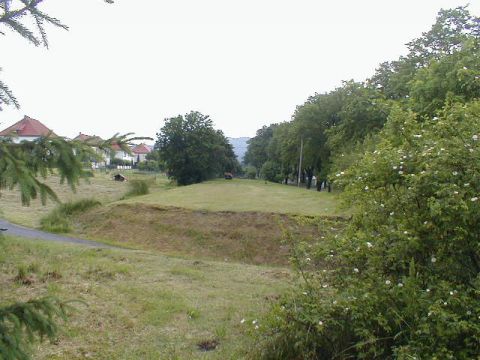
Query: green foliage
403	280
271	171
137	188
149	165
59	219
193	151
21	323
257	151
250	172
120	162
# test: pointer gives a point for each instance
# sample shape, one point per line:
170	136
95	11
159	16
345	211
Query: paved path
17	230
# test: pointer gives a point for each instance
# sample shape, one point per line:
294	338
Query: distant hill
239	146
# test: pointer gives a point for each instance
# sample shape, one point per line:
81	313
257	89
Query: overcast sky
128	66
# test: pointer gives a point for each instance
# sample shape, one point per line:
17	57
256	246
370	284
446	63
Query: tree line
336	127
402	279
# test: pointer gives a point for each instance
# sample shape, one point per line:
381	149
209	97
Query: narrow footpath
17	230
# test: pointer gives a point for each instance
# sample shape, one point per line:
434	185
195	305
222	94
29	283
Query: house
27	129
140	152
95	142
119	153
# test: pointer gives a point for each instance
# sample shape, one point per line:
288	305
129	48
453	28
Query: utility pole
300	162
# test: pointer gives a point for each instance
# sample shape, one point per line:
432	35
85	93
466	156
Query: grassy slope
244	195
249	237
139	304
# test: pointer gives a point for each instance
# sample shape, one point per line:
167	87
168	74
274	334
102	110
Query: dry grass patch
248	237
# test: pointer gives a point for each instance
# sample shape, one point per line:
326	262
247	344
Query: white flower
455	192
388	282
242	321
356	270
337	175
429	313
382	205
435	118
308	259
366	188
454	173
428	290
474	198
394	168
433	259
445	303
400	285
475	137
469	312
320	323
451	292
400	172
466	185
254	321
325	286
417	136
392	213
304	293
405	232
369	244
425	222
256	327
334	302
342	173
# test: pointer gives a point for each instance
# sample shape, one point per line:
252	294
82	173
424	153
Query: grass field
244	195
101	187
140	305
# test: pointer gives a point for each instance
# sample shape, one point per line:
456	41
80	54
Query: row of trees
402	281
337	126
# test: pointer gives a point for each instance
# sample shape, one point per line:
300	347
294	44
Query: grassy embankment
240	220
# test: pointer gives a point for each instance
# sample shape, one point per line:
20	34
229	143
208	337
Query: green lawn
244	195
141	305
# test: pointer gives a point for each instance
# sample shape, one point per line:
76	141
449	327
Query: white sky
128	66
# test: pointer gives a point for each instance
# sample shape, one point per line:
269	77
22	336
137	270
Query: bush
271	171
137	188
251	172
403	281
59	219
148	165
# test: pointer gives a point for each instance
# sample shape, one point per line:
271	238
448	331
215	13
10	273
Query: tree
257	150
192	150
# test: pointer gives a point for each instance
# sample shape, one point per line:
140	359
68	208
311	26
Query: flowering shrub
403	280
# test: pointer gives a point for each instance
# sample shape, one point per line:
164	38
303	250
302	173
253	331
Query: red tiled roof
141	149
89	139
82	137
27	127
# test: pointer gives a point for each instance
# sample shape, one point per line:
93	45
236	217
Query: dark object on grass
228	176
207	345
3	229
119	177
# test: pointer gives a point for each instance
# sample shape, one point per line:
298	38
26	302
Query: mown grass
101	187
247	237
140	305
245	195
